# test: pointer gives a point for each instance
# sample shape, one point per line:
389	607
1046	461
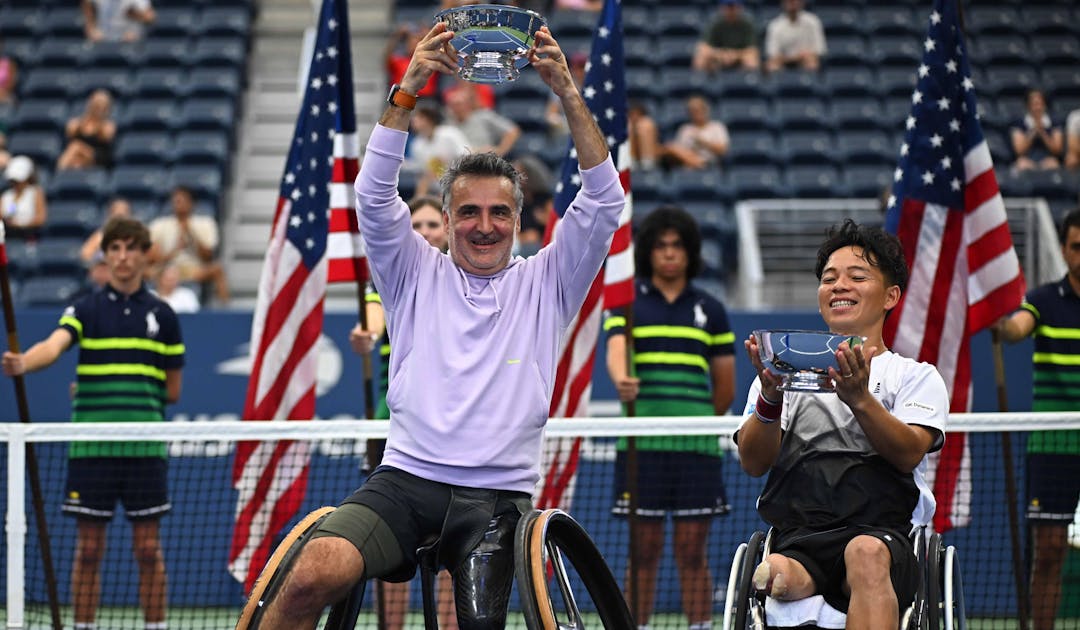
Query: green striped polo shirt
673	346
1055	361
126	345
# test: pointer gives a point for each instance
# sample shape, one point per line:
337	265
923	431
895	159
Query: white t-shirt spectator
694	138
784	37
113	20
446	143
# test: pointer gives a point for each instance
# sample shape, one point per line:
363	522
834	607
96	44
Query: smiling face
482	217
853	295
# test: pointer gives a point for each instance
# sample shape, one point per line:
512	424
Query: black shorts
1053	487
688	485
822	554
417	510
96	484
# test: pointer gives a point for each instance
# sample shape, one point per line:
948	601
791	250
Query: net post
15	522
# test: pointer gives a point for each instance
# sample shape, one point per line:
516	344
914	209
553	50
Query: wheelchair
938	604
546	543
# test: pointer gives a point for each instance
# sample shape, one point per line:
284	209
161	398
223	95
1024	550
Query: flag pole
631	472
1022	602
31	456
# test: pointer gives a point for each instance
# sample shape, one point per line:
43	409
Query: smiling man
846	469
467	412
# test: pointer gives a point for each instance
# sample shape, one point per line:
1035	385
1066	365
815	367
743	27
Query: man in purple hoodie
466	414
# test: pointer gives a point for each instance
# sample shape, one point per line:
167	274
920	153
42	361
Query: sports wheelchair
939	598
545	543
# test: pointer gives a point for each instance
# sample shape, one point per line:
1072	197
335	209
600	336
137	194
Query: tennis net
196	533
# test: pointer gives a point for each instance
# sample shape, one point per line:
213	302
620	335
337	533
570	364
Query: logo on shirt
914	404
152	326
699	316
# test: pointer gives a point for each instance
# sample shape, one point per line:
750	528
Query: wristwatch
400	98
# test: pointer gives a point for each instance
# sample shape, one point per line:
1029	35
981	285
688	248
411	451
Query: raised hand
550	61
770	383
853	377
433	54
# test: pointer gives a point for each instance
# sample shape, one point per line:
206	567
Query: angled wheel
749	608
553	537
277	567
934	582
955	613
915	617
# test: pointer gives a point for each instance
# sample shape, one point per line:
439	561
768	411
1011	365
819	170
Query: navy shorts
822	554
96	484
1053	487
684	484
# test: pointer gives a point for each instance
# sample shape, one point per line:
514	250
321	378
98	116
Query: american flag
948	213
314	239
604	90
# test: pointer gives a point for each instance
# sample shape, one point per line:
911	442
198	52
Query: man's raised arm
433	54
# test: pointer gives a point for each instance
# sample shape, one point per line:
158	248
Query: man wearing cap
730	41
22	206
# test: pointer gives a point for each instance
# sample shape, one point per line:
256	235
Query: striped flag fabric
604	90
947	210
314	239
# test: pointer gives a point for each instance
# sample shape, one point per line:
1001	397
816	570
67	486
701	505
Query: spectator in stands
1051	314
484	129
685	369
123	323
482	92
729	41
846	469
22	206
795	38
467	413
116	20
1072	144
434	145
9	77
700	142
579	5
5	156
553	115
1038	143
537	204
189	241
90	136
397	53
427	221
91	247
181	298
645	147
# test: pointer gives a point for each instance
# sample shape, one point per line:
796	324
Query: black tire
277	567
746	597
918	619
934	591
552	535
955	590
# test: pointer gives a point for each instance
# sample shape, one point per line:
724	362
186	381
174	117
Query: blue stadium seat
866	147
166	52
213	82
815	181
637	51
1049	20
893	20
49	290
857	113
84	185
63	21
22	257
795	83
849	81
899	51
864	180
895	111
808	147
712	217
748	148
563	23
62	52
1055	49
998	143
743	85
175	21
746	114
224	20
40	115
148	115
60	254
43	147
803	113
22	49
1001	50
144	183
154	82
1013	183
1009	81
839	21
698	185
528	85
144	148
641	83
49	83
204	181
206	114
527	113
636	21
680	82
757	182
991	19
21	22
897	81
1062	81
846	51
116	80
674	52
650	188
72	218
1051	184
675	21
113	55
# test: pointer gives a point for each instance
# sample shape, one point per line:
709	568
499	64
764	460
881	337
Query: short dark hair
880	248
1070	220
654	225
124	229
483	165
420	201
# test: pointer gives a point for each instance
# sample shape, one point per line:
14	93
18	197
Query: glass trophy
491	40
802	358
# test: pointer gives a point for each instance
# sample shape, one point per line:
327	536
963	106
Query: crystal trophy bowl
491	40
802	358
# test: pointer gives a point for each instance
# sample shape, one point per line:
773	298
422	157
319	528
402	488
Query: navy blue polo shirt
674	344
1056	361
126	345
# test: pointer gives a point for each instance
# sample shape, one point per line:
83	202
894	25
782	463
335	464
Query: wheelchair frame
939	597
